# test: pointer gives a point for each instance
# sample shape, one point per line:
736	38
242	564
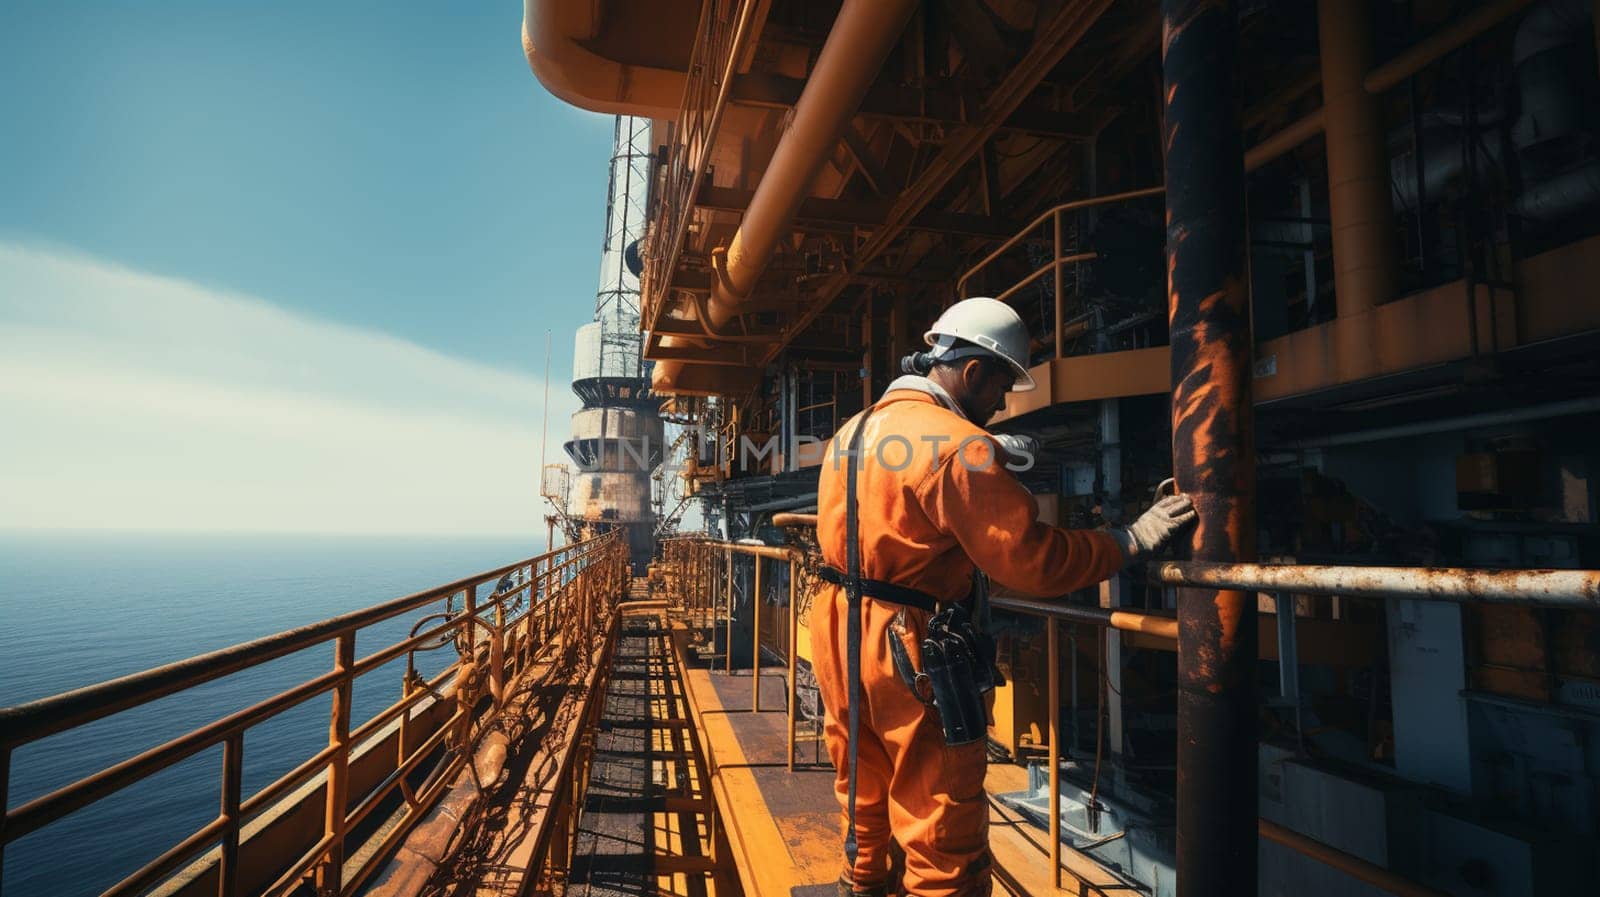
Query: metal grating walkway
644	827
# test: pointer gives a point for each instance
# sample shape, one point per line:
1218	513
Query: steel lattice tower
617	435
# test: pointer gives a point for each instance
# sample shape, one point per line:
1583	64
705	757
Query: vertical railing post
755	637
792	648
558	858
497	653
232	779
1213	449
5	801
728	640
1052	653
330	878
1061	300
1072	683
472	618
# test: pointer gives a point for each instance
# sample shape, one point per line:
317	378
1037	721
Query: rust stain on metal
1212	447
1549	588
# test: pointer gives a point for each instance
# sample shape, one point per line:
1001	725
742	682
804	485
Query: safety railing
1545	588
1542	588
701	583
720	41
507	619
1050	227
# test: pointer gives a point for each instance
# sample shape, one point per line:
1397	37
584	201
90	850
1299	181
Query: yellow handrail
560	585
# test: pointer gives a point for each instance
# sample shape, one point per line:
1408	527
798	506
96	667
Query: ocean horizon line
199	531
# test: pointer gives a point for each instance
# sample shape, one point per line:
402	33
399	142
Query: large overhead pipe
861	39
1365	257
1213	453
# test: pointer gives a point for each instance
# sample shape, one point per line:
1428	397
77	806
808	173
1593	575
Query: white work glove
1155	527
1020	451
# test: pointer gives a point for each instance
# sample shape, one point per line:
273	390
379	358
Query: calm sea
79	608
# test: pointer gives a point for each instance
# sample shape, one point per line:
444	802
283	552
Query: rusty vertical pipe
1213	452
1365	258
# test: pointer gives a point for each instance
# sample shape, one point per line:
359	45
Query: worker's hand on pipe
1155	527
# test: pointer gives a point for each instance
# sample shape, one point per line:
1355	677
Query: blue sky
251	254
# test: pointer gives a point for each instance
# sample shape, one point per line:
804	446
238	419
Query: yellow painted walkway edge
752	835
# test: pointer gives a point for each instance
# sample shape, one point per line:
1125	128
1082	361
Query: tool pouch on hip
958	661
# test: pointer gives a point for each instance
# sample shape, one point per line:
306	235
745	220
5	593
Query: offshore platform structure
617	435
1329	265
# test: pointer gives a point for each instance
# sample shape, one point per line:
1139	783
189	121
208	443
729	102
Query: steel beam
1213	452
817	213
933	105
1051	43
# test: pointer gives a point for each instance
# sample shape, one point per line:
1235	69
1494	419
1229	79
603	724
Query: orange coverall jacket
934	499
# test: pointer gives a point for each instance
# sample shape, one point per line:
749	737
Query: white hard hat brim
1024	381
992	328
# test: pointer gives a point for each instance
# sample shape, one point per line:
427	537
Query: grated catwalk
643	783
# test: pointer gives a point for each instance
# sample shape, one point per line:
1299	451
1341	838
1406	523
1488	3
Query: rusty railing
556	598
1545	588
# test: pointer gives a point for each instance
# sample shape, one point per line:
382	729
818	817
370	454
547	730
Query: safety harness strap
852	591
883	590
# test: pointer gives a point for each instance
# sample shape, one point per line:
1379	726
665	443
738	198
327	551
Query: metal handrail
1546	588
1577	589
1076	205
564	576
23	723
1060	256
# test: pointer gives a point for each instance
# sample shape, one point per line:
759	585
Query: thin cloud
145	402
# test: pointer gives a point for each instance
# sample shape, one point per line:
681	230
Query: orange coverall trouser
908	783
925	524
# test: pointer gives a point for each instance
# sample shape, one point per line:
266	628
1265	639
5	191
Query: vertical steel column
1365	256
1213	451
1114	591
1288	649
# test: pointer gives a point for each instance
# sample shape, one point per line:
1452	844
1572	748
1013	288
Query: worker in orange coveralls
935	499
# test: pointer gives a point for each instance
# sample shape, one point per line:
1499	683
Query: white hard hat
991	325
